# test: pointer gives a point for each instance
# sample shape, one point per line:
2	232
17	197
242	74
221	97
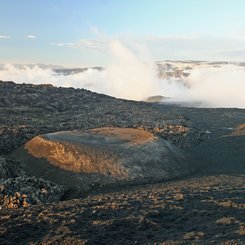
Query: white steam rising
90	79
209	87
126	77
218	87
129	78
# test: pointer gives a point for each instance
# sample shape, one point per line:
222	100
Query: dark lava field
203	206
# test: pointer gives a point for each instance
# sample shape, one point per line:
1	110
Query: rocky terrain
38	109
180	70
207	210
205	207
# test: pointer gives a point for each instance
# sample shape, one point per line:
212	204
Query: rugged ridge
39	109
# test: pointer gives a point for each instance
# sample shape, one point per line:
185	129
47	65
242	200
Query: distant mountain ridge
181	69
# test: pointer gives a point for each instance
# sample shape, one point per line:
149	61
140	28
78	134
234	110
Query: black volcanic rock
23	191
9	168
71	71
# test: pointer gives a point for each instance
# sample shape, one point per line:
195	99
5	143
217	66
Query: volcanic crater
81	159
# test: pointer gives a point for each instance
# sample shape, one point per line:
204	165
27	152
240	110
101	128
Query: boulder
24	191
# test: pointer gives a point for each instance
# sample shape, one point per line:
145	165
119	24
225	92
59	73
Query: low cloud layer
210	87
129	78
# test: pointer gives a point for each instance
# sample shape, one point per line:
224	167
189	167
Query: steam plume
129	78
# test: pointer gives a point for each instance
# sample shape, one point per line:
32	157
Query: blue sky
78	32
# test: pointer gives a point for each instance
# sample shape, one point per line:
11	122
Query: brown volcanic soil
130	135
239	130
207	208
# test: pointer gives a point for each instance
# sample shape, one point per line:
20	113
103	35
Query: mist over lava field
122	122
116	182
123	147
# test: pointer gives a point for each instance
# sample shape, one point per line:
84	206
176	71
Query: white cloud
174	37
175	47
94	45
67	45
4	37
30	36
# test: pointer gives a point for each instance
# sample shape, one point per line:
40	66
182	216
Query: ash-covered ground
204	207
